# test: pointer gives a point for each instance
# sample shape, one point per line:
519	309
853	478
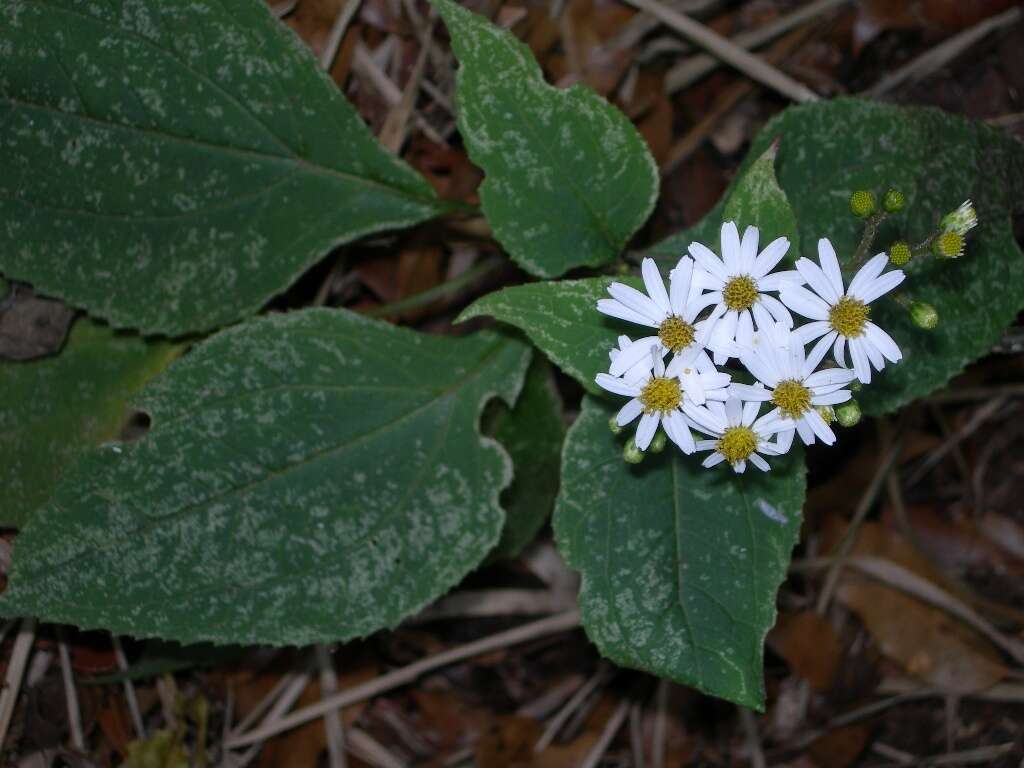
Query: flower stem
870	231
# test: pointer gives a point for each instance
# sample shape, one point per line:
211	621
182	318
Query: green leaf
54	408
561	318
532	432
569	179
757	200
830	149
679	564
308	477
172	167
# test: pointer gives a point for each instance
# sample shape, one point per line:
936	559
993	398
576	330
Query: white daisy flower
641	370
841	316
788	379
658	398
740	436
738	282
672	312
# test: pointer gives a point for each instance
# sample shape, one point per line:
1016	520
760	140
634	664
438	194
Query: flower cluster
737	307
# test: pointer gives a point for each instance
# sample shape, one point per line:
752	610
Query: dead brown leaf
809	645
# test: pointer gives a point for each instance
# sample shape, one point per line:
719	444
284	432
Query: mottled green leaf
830	149
758	200
679	564
172	166
562	319
569	178
532	432
54	408
308	477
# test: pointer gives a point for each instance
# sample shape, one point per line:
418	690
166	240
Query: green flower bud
924	315
855	386
631	454
862	203
658	443
962	220
613	425
948	245
893	201
899	253
827	413
848	414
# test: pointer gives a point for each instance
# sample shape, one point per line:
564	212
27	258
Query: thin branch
332	720
70	693
727	51
549	626
610	729
15	672
429	296
337	33
753	738
129	689
600	677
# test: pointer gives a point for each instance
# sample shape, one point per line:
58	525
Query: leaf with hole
173	167
308	477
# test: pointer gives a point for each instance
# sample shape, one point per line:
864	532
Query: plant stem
870	231
429	296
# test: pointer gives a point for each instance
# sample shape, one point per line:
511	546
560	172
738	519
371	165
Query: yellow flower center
740	293
661	395
737	443
792	397
676	334
848	316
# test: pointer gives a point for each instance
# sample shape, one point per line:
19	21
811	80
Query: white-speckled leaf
679	564
54	408
757	200
562	319
308	477
830	149
532	432
569	178
171	166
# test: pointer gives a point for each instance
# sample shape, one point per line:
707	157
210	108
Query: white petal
839	350
813	330
751	393
776	281
744	329
731	247
796	358
860	361
867	274
694	307
750	412
803	302
874	356
784	441
616	308
708	260
645	430
806	433
884	342
637	301
740	467
679	281
693	388
830	265
655	285
733	411
817	279
770	256
762	317
778	309
748	250
880	286
633	354
758	462
818	352
829	376
832	398
617	385
704	419
761	369
628	412
706	445
821	429
679	430
713	460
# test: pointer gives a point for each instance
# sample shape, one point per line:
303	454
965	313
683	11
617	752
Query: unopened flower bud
658	443
855	386
899	253
827	413
862	203
613	425
848	414
924	315
893	201
948	245
631	454
962	220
